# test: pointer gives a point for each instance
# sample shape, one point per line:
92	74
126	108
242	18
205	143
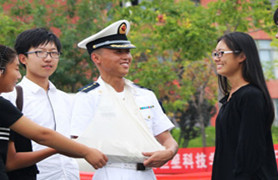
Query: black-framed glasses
220	54
44	54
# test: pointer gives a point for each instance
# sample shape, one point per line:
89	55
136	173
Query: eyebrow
221	49
42	48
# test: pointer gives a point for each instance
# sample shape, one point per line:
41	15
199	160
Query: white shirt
86	104
51	109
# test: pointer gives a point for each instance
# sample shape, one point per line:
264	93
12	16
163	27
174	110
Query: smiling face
10	76
38	68
112	62
229	64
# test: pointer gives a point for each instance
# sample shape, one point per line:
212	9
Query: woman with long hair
244	146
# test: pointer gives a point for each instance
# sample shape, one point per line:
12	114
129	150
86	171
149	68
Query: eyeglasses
44	54
221	53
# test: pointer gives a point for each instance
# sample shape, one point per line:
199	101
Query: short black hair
34	38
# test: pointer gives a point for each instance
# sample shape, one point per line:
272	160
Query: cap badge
122	29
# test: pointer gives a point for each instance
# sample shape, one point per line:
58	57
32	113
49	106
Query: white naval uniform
85	106
51	109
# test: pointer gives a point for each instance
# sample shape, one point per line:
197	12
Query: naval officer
122	116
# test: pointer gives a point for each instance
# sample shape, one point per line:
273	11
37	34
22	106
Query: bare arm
17	160
50	138
159	158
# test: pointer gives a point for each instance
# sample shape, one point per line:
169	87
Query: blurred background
174	40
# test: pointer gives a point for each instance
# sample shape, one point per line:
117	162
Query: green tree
182	35
72	21
174	40
9	28
178	37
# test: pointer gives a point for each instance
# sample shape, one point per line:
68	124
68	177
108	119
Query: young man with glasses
39	50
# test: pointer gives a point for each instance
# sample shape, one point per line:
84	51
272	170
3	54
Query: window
273	3
275	102
269	58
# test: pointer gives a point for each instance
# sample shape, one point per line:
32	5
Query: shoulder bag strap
19	97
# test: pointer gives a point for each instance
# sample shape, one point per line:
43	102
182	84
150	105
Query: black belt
134	166
140	167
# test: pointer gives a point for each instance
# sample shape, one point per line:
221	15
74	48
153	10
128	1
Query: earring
2	70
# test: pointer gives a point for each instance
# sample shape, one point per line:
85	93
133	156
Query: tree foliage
9	28
174	40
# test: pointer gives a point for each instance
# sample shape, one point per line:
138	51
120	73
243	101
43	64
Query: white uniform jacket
85	106
86	101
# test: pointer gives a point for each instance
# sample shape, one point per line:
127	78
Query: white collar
34	87
127	82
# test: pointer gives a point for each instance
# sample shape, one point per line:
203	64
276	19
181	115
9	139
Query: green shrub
275	134
210	137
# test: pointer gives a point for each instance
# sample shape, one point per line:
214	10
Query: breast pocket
148	117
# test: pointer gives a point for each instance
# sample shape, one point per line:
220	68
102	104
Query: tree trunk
203	131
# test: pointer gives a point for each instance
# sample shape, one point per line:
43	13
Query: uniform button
149	117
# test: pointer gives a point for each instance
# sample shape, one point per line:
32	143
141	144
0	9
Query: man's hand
96	158
157	158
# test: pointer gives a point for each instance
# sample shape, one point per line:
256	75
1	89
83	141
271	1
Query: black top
22	144
9	115
244	147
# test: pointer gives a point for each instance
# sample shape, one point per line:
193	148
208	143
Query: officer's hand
96	158
157	158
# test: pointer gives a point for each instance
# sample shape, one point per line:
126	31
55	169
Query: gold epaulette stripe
90	86
87	87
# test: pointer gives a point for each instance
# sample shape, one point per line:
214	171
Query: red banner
189	163
190	160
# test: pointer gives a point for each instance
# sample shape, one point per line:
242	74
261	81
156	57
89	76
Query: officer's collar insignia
89	87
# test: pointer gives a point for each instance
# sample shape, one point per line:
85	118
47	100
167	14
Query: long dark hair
251	68
7	55
275	17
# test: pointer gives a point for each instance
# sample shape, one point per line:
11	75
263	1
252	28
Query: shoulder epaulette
89	87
